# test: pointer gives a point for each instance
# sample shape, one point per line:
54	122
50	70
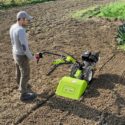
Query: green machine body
71	87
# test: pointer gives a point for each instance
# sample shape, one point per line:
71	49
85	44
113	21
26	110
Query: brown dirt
52	27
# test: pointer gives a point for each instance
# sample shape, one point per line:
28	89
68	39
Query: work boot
29	96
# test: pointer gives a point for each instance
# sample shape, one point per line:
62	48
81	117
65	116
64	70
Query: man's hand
38	56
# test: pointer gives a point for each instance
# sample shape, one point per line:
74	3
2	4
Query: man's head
23	18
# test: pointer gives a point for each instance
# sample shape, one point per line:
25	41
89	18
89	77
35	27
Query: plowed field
54	28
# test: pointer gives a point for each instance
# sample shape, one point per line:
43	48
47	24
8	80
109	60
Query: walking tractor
74	85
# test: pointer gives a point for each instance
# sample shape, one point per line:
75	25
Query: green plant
80	14
121	35
111	11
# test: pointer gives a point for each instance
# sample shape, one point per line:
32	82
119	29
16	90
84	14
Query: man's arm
24	43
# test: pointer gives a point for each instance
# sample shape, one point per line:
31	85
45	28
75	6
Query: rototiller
74	85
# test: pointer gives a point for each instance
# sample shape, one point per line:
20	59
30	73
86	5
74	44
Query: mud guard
71	87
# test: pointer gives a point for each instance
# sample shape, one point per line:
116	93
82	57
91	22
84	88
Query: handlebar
69	59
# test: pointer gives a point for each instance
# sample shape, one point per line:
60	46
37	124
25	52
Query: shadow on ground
86	112
104	81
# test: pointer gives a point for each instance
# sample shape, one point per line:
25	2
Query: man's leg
18	74
24	68
25	73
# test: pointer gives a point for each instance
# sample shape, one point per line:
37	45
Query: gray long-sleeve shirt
19	41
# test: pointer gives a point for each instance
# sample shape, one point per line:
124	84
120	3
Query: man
22	54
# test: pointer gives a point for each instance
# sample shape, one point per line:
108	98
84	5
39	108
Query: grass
4	4
82	14
111	11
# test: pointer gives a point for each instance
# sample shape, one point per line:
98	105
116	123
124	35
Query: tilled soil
54	28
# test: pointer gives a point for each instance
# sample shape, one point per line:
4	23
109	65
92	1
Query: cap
24	14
